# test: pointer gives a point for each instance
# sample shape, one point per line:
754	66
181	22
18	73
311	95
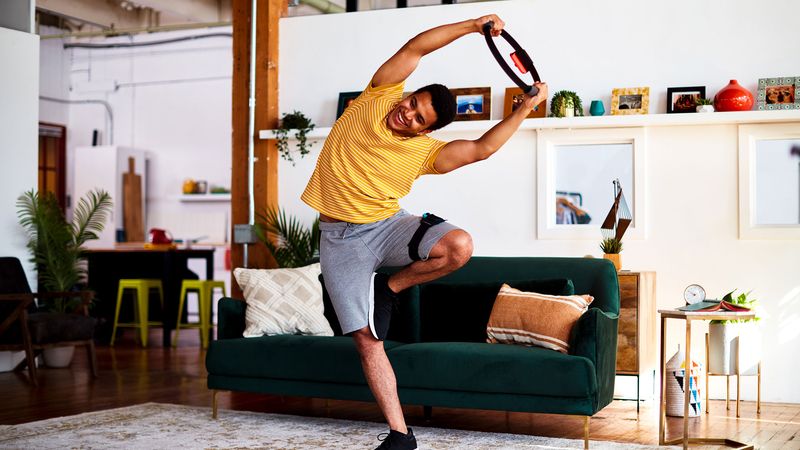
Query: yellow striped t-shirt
364	169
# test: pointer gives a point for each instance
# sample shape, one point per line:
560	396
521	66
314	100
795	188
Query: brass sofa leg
214	404
586	432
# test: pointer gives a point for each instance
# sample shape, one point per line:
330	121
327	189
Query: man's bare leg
380	378
451	252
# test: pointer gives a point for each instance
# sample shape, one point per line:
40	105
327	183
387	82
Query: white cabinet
102	167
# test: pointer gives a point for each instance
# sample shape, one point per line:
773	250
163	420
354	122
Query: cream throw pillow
529	318
283	301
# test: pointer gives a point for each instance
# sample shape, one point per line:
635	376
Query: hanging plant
294	121
563	100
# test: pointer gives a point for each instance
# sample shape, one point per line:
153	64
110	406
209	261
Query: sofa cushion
291	357
530	318
460	312
492	368
283	301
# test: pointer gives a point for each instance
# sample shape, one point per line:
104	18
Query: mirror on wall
769	181
576	171
777	181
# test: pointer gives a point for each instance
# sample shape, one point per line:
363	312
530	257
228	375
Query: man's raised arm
403	63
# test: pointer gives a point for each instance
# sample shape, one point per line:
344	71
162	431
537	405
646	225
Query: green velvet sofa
437	347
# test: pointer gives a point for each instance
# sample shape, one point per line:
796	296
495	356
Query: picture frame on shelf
683	99
630	101
778	93
345	99
514	97
473	103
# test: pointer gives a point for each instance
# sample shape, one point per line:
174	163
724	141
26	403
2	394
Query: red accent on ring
518	63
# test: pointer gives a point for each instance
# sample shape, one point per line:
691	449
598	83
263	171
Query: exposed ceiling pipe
131	31
324	6
109	111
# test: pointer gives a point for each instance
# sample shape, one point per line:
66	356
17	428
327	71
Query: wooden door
53	161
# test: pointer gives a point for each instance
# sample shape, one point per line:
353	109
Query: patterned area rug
160	426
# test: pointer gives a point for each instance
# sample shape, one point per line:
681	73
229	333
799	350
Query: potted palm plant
56	248
295	244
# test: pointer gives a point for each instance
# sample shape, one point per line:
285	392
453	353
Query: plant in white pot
727	338
704	105
56	248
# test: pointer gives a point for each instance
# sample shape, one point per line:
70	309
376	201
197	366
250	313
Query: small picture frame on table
629	101
683	99
345	99
514	98
473	103
778	93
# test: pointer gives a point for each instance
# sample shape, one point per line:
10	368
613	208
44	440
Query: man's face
412	116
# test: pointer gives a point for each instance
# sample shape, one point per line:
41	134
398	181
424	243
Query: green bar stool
205	291
141	288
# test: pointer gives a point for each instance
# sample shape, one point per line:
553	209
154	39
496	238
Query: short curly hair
443	103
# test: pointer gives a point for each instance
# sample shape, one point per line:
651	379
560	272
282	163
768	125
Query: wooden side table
690	316
636	336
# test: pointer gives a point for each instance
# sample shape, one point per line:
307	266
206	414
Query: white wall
19	86
591	48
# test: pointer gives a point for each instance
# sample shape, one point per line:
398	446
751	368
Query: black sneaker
395	440
382	302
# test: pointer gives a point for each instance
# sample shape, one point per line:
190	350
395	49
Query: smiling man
371	158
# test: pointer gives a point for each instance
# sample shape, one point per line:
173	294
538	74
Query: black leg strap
428	220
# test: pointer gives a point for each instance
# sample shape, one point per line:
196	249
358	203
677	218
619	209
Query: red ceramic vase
733	97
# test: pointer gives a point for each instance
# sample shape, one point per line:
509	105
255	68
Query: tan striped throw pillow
283	301
529	318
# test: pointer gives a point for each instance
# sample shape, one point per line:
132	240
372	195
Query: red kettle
159	236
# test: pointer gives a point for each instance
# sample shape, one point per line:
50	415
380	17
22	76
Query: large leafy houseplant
295	244
56	246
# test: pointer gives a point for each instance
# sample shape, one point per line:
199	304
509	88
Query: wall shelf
205	198
643	120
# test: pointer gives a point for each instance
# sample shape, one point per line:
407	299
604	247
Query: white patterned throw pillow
283	301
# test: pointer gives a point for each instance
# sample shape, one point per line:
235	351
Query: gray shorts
351	252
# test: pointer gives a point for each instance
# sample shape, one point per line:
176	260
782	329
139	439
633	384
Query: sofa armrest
230	318
595	338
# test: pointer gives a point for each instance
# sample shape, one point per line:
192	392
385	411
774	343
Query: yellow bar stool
205	291
141	288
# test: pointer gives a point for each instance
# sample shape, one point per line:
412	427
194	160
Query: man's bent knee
458	247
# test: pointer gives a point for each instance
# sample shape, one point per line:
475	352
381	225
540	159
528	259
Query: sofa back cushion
594	276
459	312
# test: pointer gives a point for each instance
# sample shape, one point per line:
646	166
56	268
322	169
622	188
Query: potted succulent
724	336
704	105
303	125
611	248
56	248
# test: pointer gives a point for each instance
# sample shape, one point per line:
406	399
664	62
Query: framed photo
473	103
628	101
514	97
778	93
345	98
682	99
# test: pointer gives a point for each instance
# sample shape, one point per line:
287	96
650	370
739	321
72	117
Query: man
372	156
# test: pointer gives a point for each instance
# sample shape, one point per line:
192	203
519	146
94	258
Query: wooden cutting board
132	217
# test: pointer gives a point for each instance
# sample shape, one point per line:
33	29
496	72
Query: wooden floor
129	375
